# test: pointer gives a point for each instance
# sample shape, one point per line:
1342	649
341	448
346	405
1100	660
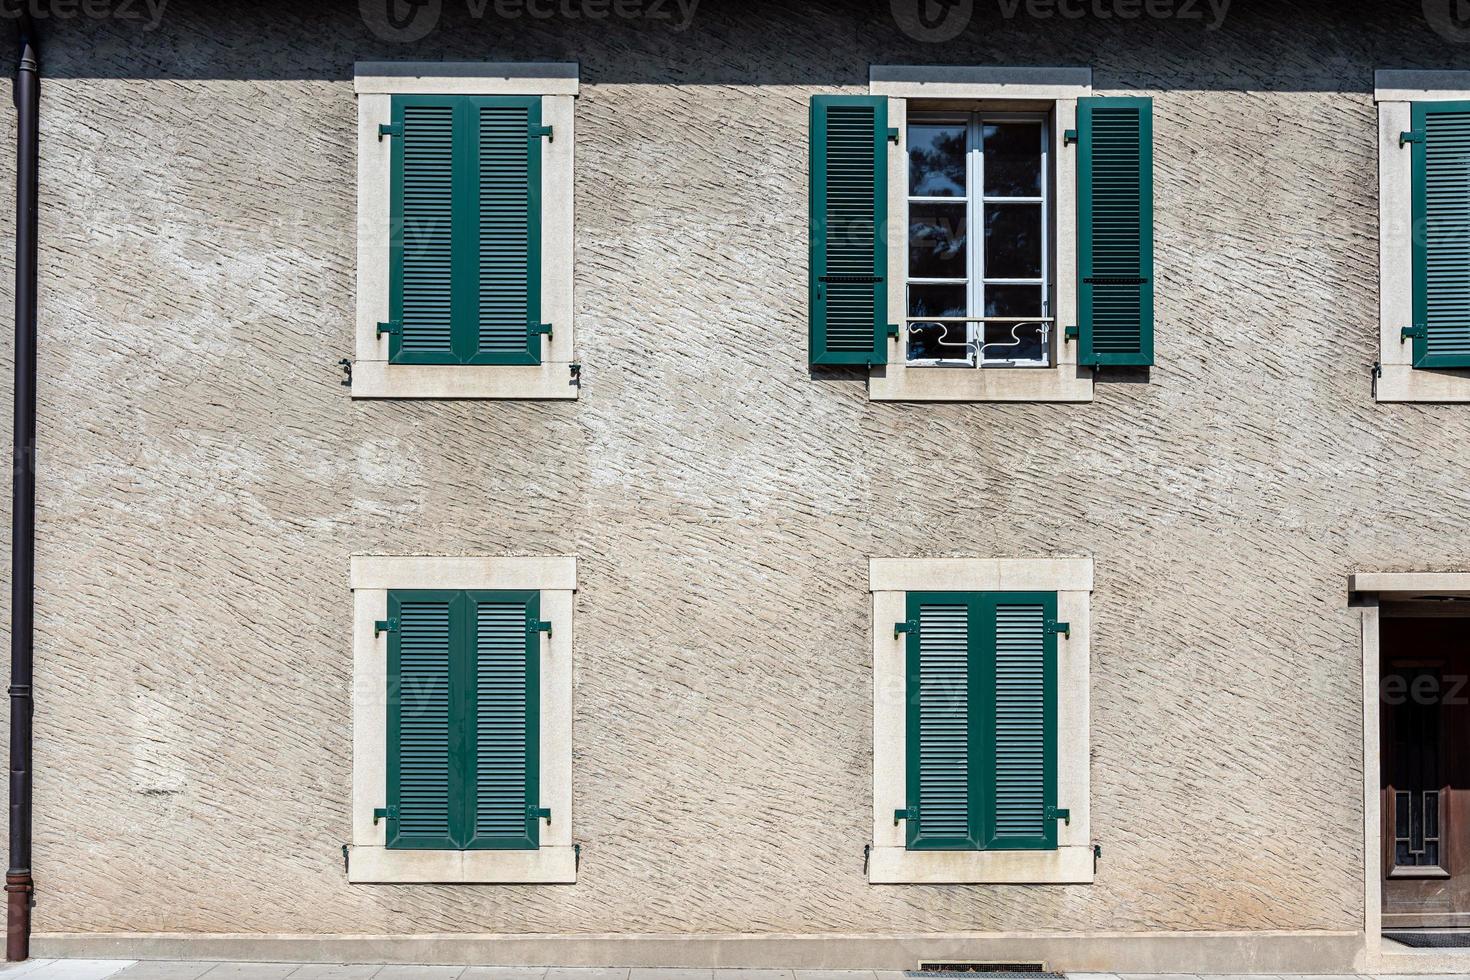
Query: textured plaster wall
204	477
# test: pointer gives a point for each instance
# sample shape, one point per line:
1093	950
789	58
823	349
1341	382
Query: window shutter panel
1115	247
420	753
1020	739
507	728
941	809
506	324
465	239
1441	201
849	253
421	243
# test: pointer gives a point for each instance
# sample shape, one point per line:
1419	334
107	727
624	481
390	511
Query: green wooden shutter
420	763
465	238
942	814
981	733
1441	201
1115	231
848	302
463	720
506	726
1019	738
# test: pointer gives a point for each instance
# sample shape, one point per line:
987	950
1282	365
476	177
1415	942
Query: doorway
1424	771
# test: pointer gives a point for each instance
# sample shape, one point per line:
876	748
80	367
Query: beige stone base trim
898	866
379	379
1142	952
544	866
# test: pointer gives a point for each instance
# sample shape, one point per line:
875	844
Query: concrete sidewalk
171	970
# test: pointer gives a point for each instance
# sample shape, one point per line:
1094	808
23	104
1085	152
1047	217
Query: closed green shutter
848	301
463	720
465	239
981	726
1115	231
1441	196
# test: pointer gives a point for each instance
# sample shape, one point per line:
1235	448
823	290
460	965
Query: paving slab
166	970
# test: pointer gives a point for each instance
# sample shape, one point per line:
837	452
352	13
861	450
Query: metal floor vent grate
1431	940
983	971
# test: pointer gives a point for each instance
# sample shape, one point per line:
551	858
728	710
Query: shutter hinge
891	330
385	626
1411	136
539	813
1052	626
1418	332
1057	813
538	626
389	129
893	136
537	329
389	326
1071	333
907	626
385	813
577	855
908	813
543	131
346	363
1069	136
576	372
346	860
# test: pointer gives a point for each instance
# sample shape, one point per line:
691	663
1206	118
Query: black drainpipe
18	885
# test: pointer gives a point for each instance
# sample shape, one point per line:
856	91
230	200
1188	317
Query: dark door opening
1424	700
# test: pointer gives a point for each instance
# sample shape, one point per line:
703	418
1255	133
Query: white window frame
890	580
375	84
369	859
1399	381
975	201
1049	91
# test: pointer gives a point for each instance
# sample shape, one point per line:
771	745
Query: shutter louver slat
427	228
944	721
1115	231
1442	246
501	720
849	191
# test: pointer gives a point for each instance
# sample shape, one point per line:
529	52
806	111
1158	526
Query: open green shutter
1441	201
1115	232
1019	654
848	294
465	238
506	725
420	750
942	812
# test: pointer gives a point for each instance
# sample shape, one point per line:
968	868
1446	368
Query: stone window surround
1053	89
375	84
889	580
370	860
1393	92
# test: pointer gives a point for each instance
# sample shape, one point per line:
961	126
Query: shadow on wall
1188	44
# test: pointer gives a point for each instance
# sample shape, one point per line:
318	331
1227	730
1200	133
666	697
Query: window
980	720
465	240
1424	236
462	720
981	234
985	302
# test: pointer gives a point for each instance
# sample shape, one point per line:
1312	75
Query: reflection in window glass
937	241
937	160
